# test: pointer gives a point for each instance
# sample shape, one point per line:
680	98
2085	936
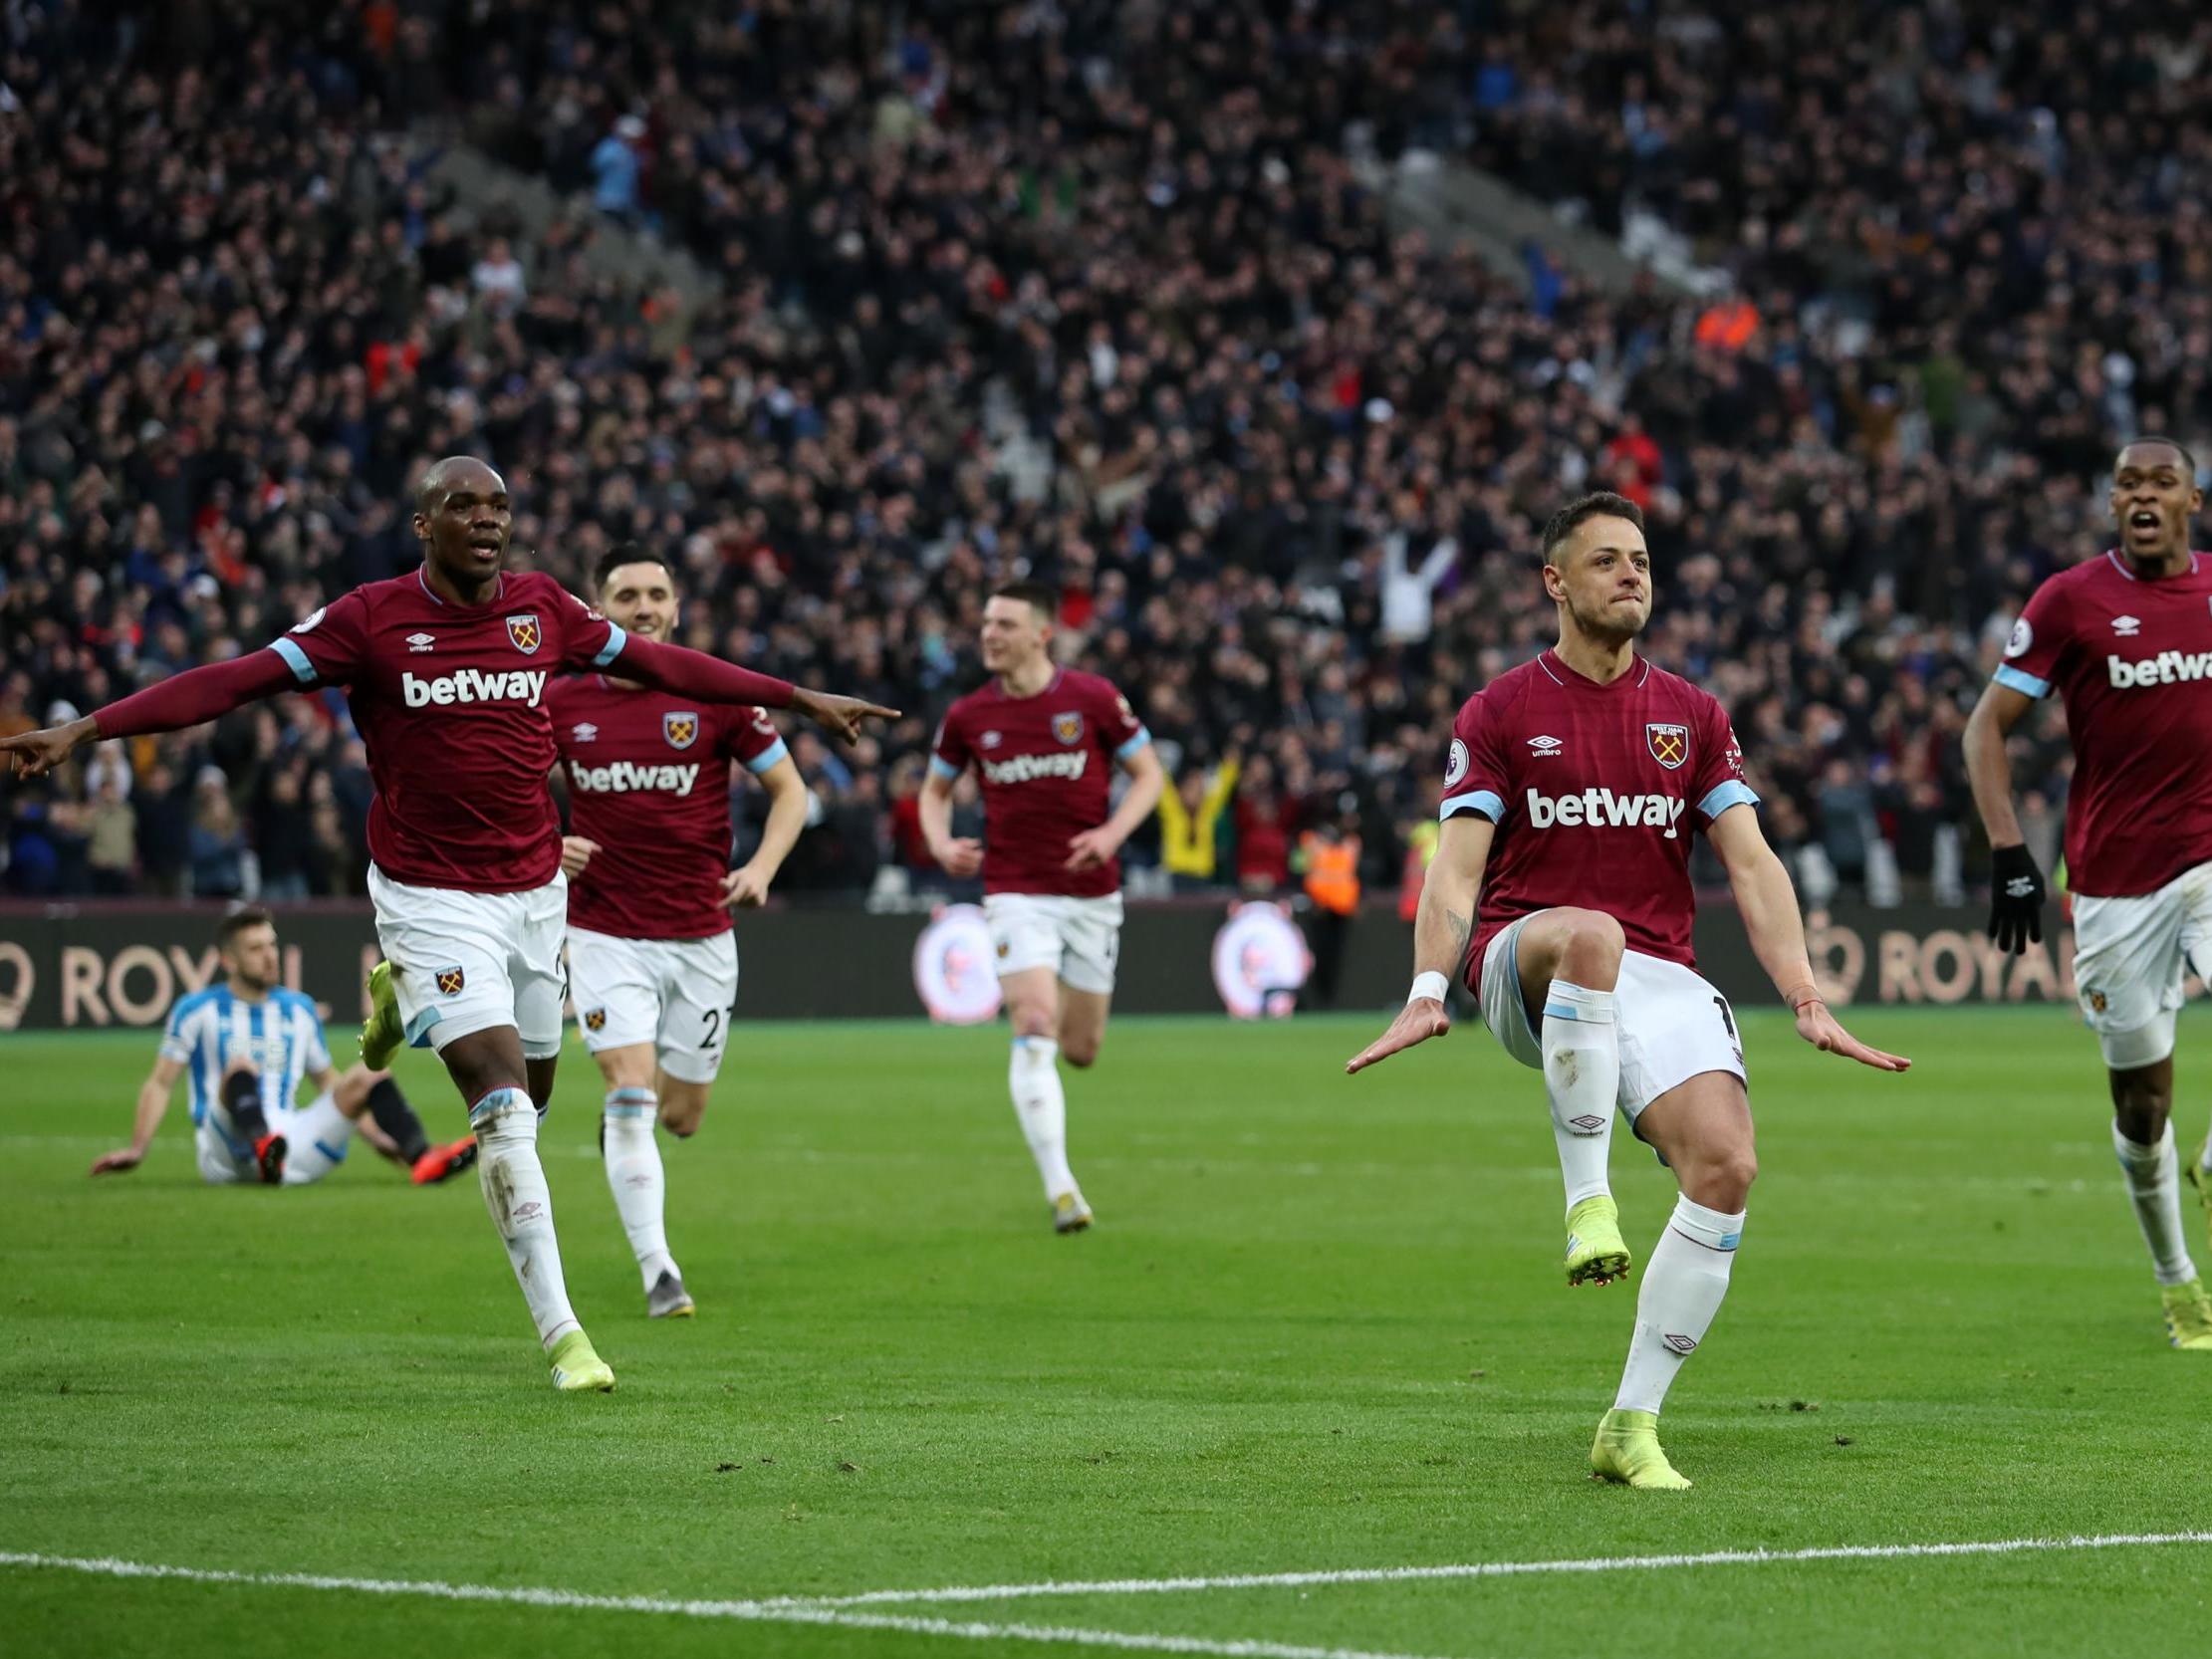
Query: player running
1572	782
445	670
2126	641
246	1044
1045	738
652	963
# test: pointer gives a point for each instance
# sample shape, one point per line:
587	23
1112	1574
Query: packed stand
1088	292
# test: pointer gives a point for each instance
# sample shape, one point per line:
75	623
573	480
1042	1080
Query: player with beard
245	1044
2126	640
445	670
1572	787
652	961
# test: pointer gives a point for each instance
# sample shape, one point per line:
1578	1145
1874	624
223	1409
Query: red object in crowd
1729	326
1264	841
381	358
1077	608
1410	876
909	844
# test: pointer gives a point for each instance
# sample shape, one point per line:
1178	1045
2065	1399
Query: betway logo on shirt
1596	807
474	685
621	776
1021	769
2166	669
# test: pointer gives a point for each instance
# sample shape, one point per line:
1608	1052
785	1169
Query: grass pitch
1320	1326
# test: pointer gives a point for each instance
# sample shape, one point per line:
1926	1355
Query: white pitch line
1495	1570
781	1612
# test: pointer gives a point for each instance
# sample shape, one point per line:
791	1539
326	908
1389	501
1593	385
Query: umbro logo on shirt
2127	627
422	642
585	733
1544	747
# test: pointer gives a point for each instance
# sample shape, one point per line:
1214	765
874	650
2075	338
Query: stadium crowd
1088	292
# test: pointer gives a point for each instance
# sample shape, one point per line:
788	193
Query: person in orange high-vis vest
1330	856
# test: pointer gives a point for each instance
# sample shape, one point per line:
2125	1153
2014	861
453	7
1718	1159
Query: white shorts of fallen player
1080	939
675	993
2130	957
1673	1025
315	1136
470	962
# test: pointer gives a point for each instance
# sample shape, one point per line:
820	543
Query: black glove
2015	898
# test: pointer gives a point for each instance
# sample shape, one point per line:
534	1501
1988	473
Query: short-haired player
245	1044
652	962
445	670
2126	640
1044	741
1572	788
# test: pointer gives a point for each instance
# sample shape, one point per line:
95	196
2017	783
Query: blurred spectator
1192	819
215	849
1329	856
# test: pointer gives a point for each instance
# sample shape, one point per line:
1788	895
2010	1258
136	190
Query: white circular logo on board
309	620
955	971
1260	960
2022	637
1455	764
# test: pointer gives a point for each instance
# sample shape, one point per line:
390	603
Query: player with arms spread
445	670
246	1044
2126	641
1045	740
1572	789
652	963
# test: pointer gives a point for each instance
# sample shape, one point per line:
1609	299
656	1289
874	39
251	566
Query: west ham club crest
1670	744
1068	727
524	631
680	727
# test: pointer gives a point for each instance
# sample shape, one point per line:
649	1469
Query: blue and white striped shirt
280	1037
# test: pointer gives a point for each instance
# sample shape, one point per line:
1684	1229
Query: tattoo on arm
1459	927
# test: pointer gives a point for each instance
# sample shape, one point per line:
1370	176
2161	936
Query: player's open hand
35	753
575	853
841	717
1417	1022
1821	1029
961	858
1092	848
115	1162
744	889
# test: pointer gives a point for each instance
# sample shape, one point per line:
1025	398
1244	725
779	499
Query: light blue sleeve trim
767	757
417	1029
616	640
296	661
1485	802
2026	685
1725	795
939	766
1135	743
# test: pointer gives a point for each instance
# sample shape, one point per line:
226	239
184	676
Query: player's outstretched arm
154	1105
691	673
1769	905
191	698
2017	888
1441	929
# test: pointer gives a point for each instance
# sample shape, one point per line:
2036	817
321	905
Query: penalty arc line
781	1612
1499	1569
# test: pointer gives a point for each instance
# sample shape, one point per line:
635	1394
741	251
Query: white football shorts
675	993
2130	958
1080	939
471	962
316	1137
1672	1024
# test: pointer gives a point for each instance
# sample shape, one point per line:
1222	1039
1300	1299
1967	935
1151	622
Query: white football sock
1033	1077
2154	1187
1683	1284
634	1176
514	1185
1582	1077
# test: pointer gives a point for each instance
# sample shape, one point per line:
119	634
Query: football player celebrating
1572	789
